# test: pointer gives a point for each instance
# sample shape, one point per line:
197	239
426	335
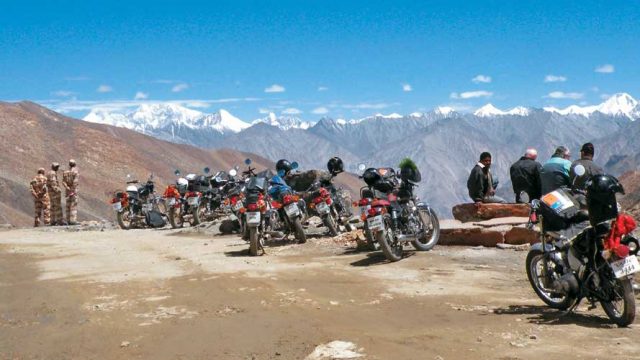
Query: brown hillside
32	136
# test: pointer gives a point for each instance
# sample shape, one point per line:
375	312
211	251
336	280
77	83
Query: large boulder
473	212
521	235
466	234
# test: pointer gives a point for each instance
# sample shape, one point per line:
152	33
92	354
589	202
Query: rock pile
487	225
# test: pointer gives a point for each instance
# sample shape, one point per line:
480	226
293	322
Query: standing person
55	195
586	159
555	172
525	175
70	183
480	182
40	198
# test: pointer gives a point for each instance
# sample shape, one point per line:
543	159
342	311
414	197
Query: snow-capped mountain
621	104
489	110
283	122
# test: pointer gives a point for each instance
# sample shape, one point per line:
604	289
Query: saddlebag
154	219
558	209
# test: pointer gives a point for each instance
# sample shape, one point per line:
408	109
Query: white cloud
322	88
605	96
481	79
275	88
407	87
320	110
605	69
74	105
564	95
471	94
63	93
180	87
555	78
104	89
291	111
264	111
141	96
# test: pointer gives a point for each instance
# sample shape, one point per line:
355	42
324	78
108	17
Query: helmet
601	198
284	165
335	165
55	166
41	171
182	182
72	163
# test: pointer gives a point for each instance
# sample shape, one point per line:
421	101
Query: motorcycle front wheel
390	247
124	219
195	220
175	218
535	273
622	311
430	228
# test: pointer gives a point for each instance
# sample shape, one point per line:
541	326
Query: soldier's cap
72	162
55	164
41	171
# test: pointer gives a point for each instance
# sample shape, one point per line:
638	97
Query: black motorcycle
571	261
396	217
138	206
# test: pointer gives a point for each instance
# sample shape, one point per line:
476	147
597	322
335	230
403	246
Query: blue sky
318	58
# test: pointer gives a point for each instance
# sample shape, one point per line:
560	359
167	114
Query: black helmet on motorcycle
335	165
284	165
601	198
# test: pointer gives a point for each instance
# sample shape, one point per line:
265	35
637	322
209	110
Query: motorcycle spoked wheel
431	228
391	248
124	219
195	216
256	242
622	311
372	244
298	230
175	217
535	263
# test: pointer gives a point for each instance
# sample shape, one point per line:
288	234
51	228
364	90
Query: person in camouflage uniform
70	183
55	195
40	198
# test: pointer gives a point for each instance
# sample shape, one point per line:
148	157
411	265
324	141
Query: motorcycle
398	217
321	204
183	201
578	257
289	206
134	206
258	209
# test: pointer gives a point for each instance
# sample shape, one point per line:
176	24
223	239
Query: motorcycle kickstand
572	308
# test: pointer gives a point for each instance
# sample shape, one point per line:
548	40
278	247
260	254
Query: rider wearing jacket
555	172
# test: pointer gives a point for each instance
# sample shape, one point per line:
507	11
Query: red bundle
621	226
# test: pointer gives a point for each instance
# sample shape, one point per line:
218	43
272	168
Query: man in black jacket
525	176
586	159
480	183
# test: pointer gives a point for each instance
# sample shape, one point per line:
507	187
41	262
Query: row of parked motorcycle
265	205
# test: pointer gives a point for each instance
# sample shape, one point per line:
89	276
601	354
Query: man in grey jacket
586	159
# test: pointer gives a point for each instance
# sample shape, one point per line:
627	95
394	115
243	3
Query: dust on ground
164	294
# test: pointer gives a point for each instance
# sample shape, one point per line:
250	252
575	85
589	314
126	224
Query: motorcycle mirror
362	167
128	176
247	161
294	165
177	172
207	170
233	172
579	170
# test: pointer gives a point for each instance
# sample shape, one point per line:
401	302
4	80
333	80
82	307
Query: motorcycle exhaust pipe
406	238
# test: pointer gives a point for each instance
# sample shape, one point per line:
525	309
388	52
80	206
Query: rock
125	344
521	235
522	247
471	236
471	212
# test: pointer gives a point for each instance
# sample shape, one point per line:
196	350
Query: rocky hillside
32	136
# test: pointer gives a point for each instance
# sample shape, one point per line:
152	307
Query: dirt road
149	294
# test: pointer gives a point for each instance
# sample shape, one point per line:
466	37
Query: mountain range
444	143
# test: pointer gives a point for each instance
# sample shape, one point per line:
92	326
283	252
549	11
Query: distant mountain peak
620	104
444	110
488	110
283	122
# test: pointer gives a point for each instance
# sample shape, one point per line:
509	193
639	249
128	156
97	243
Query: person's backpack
154	219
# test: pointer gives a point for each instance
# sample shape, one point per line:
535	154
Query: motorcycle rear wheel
372	244
330	223
299	230
175	218
195	219
392	251
534	266
123	219
431	231
624	316
255	242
